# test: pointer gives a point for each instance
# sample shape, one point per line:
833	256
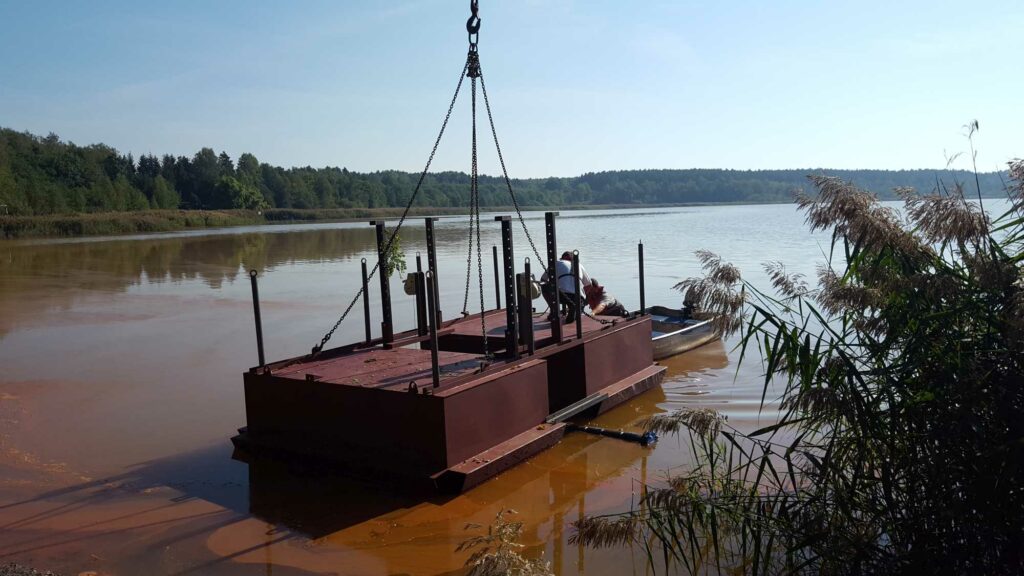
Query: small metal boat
676	331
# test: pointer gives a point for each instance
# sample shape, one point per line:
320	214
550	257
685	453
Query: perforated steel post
432	262
511	322
552	245
386	325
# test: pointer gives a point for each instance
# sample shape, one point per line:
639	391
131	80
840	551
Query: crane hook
473	23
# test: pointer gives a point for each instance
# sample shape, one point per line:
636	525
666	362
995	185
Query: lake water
121	365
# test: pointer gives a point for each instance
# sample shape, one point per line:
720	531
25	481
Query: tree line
45	175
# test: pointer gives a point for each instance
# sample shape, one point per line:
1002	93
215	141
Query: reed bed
900	448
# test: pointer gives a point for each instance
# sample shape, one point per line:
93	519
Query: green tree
248	170
227	167
164	196
238	195
203	173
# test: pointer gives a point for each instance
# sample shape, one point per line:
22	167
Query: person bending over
566	295
601	302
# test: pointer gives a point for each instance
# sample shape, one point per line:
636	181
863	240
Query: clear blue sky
576	86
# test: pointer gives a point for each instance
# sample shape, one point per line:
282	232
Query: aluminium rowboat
674	331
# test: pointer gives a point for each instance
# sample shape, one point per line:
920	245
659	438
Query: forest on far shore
45	175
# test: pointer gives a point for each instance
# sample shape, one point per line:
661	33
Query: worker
566	288
601	302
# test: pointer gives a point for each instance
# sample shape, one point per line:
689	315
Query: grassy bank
114	223
109	223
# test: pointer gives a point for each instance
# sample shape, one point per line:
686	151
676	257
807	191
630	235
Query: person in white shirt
566	287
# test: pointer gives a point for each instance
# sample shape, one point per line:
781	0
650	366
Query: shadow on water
316	499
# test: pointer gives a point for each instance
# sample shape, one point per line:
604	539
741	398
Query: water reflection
212	259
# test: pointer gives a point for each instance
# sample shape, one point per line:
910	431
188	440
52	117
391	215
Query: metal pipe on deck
511	320
549	229
435	369
579	289
366	302
387	324
256	313
432	261
497	281
643	299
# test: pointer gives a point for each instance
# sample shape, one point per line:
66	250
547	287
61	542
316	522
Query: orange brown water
120	385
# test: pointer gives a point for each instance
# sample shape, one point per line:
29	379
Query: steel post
421	303
366	302
511	321
435	369
416	310
643	299
497	281
256	313
387	325
432	262
579	289
526	309
549	230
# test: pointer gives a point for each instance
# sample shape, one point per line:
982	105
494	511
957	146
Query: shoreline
157	221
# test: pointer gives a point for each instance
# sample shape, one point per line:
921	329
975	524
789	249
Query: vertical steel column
416	310
432	263
386	325
511	321
421	303
526	309
497	281
256	312
643	299
579	289
366	302
549	229
435	369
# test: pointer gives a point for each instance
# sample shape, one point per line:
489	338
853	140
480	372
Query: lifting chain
475	199
473	71
387	250
504	171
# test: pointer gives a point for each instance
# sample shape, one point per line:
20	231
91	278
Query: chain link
469	246
475	214
387	250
